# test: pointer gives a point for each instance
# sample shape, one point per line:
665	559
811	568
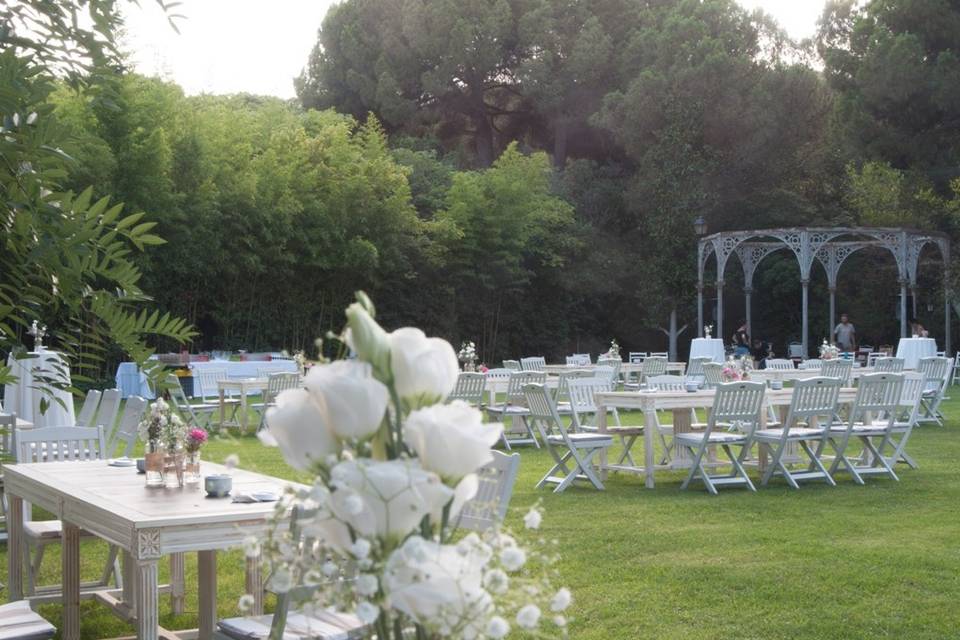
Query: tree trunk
483	139
561	130
673	335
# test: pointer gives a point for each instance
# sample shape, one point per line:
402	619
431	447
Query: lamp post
700	228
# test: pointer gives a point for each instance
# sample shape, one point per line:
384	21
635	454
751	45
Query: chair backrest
613	363
564	378
812	363
910	397
469	388
89	408
659	354
511	365
208	379
780	364
49	444
583	405
636	357
543	412
739	404
695	368
109	408
487	509
887	364
666	383
877	393
126	433
712	374
277	382
934	370
653	366
579	360
838	368
498	374
519	379
8	424
533	363
605	372
795	350
813	398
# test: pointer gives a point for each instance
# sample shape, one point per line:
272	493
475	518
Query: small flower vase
173	461
469	366
153	464
191	468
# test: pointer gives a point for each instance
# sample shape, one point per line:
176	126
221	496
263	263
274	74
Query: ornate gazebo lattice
828	246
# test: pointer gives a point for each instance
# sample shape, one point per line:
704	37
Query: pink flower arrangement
196	438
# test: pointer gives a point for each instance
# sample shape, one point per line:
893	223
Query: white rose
439	587
528	617
424	369
385	500
367	584
300	428
513	558
498	628
353	404
561	600
451	439
369	340
533	519
367	612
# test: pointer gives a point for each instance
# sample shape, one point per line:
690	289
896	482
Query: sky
259	46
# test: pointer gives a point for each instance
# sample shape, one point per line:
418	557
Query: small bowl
776	385
218	485
693	387
141	465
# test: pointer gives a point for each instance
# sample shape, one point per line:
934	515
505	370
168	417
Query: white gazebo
830	246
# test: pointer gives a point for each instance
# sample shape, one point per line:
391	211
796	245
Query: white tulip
353	404
451	439
385	500
300	428
439	587
368	340
424	369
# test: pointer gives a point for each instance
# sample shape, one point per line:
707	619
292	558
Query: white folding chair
533	363
579	360
814	399
89	408
905	420
487	509
653	365
191	412
837	368
584	410
812	363
780	364
57	444
877	394
795	351
695	369
736	403
659	354
512	365
470	388
935	372
712	374
562	395
887	364
276	383
675	384
19	622
515	409
126	432
572	453
209	386
636	357
956	367
107	411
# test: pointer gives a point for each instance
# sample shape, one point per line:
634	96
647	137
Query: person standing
845	334
741	341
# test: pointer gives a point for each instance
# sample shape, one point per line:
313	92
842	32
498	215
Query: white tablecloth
707	348
912	349
247	369
23	398
132	382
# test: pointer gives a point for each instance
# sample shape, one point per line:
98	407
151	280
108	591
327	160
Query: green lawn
880	561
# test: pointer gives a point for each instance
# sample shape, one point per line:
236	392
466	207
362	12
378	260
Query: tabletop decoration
707	330
468	355
393	466
195	440
829	351
301	359
162	432
38	331
614	350
736	369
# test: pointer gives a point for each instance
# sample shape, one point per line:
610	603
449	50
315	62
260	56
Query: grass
880	561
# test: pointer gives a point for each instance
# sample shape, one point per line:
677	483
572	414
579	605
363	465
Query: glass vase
153	465
173	462
191	468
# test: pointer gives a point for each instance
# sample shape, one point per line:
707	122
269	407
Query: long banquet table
146	524
680	402
678	368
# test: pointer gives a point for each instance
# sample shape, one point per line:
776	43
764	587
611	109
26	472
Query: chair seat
625	431
721	437
321	626
46	530
510	409
860	429
797	433
576	438
19	622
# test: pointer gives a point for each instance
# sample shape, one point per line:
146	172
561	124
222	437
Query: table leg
176	583
146	599
15	547
70	563
244	415
207	592
602	428
223	407
649	427
129	582
254	585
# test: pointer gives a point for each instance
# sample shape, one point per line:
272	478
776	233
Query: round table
707	348
24	396
912	349
132	382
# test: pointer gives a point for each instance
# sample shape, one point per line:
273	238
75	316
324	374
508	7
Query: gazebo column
806	328
913	298
833	310
903	308
700	309
719	332
746	296
946	316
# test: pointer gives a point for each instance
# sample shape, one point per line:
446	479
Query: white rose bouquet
393	467
160	425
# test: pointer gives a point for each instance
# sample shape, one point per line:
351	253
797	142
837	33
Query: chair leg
695	464
33	566
816	462
587	468
738	469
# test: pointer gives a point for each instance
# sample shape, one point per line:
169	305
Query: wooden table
678	368
680	403
243	386
785	375
146	524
